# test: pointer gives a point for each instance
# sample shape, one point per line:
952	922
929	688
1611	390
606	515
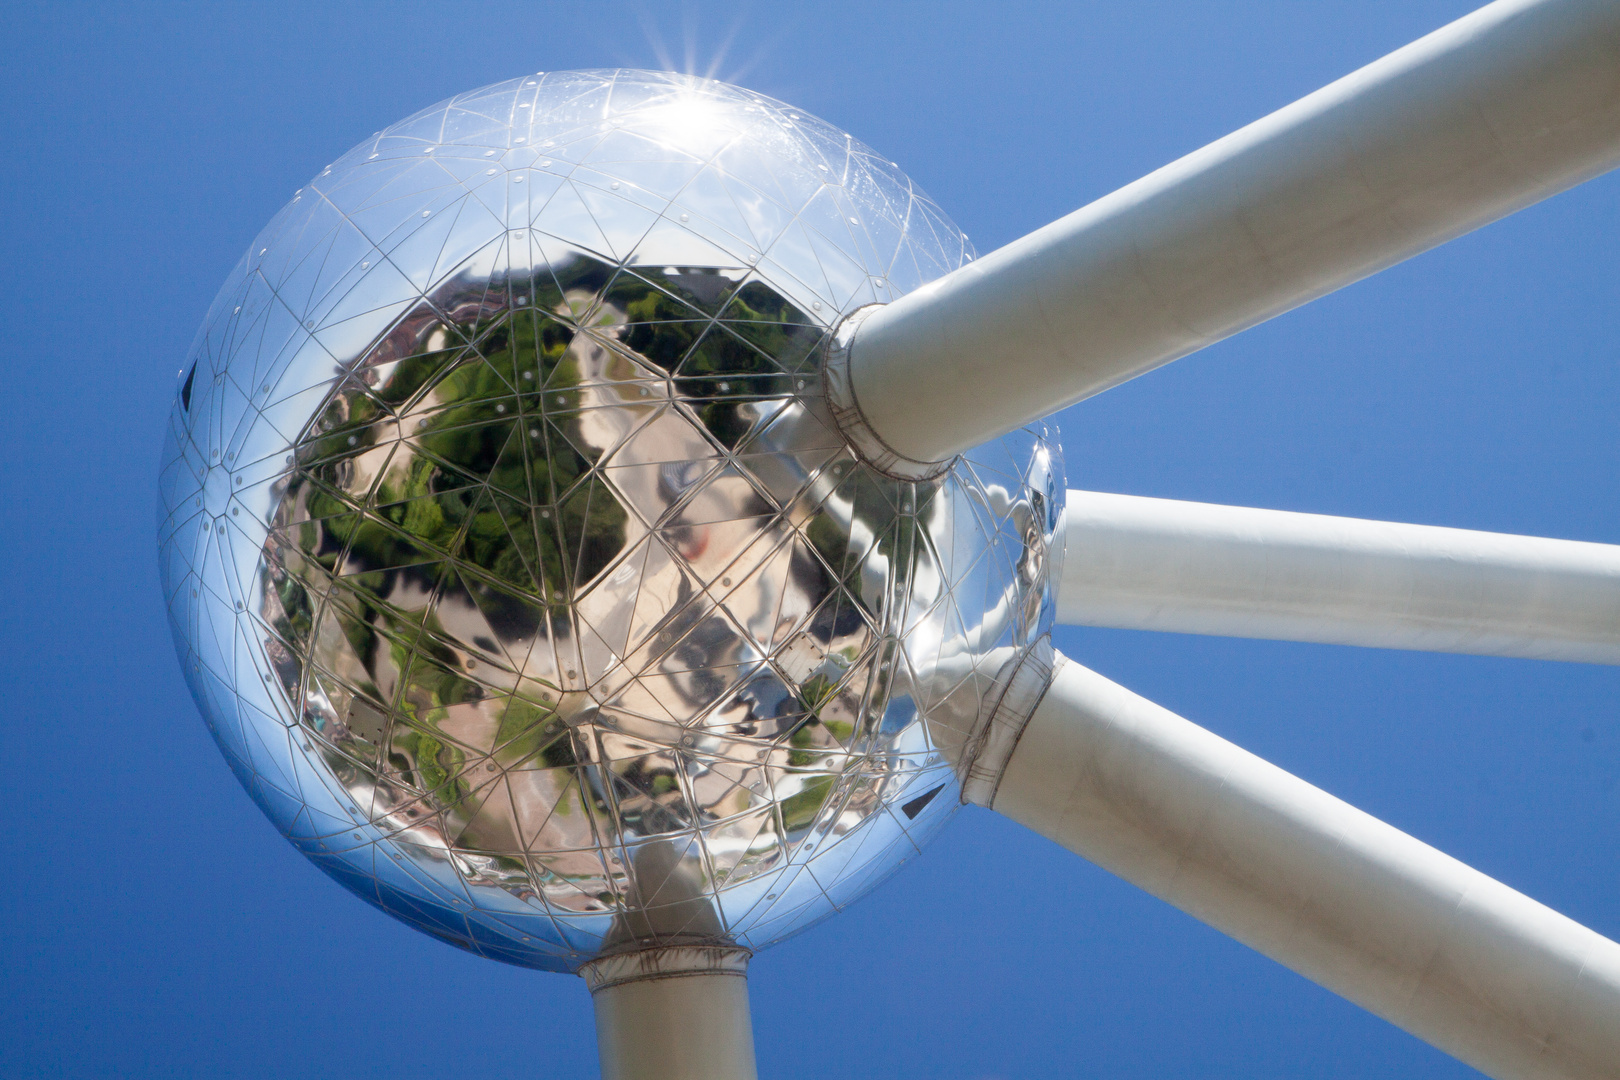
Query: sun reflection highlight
693	119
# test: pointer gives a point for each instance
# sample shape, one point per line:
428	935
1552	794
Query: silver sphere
513	553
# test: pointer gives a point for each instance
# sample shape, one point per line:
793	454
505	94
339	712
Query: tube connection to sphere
673	1014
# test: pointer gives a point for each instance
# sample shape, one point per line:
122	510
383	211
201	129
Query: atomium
591	529
514	554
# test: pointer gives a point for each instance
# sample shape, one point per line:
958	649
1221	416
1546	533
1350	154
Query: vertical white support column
678	1013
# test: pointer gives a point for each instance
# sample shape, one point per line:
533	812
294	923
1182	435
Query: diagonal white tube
1197	568
1499	110
1450	955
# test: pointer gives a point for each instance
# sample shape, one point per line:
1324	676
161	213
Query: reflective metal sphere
514	556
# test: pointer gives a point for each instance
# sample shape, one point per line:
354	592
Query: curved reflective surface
514	558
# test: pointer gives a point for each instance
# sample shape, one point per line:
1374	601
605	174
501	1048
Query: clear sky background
155	925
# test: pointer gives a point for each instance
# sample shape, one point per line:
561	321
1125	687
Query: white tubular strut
676	1013
1499	110
1452	956
1196	568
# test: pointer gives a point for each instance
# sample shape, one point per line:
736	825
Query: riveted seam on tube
997	737
838	378
672	962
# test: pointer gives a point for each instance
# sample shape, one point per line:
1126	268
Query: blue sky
154	923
